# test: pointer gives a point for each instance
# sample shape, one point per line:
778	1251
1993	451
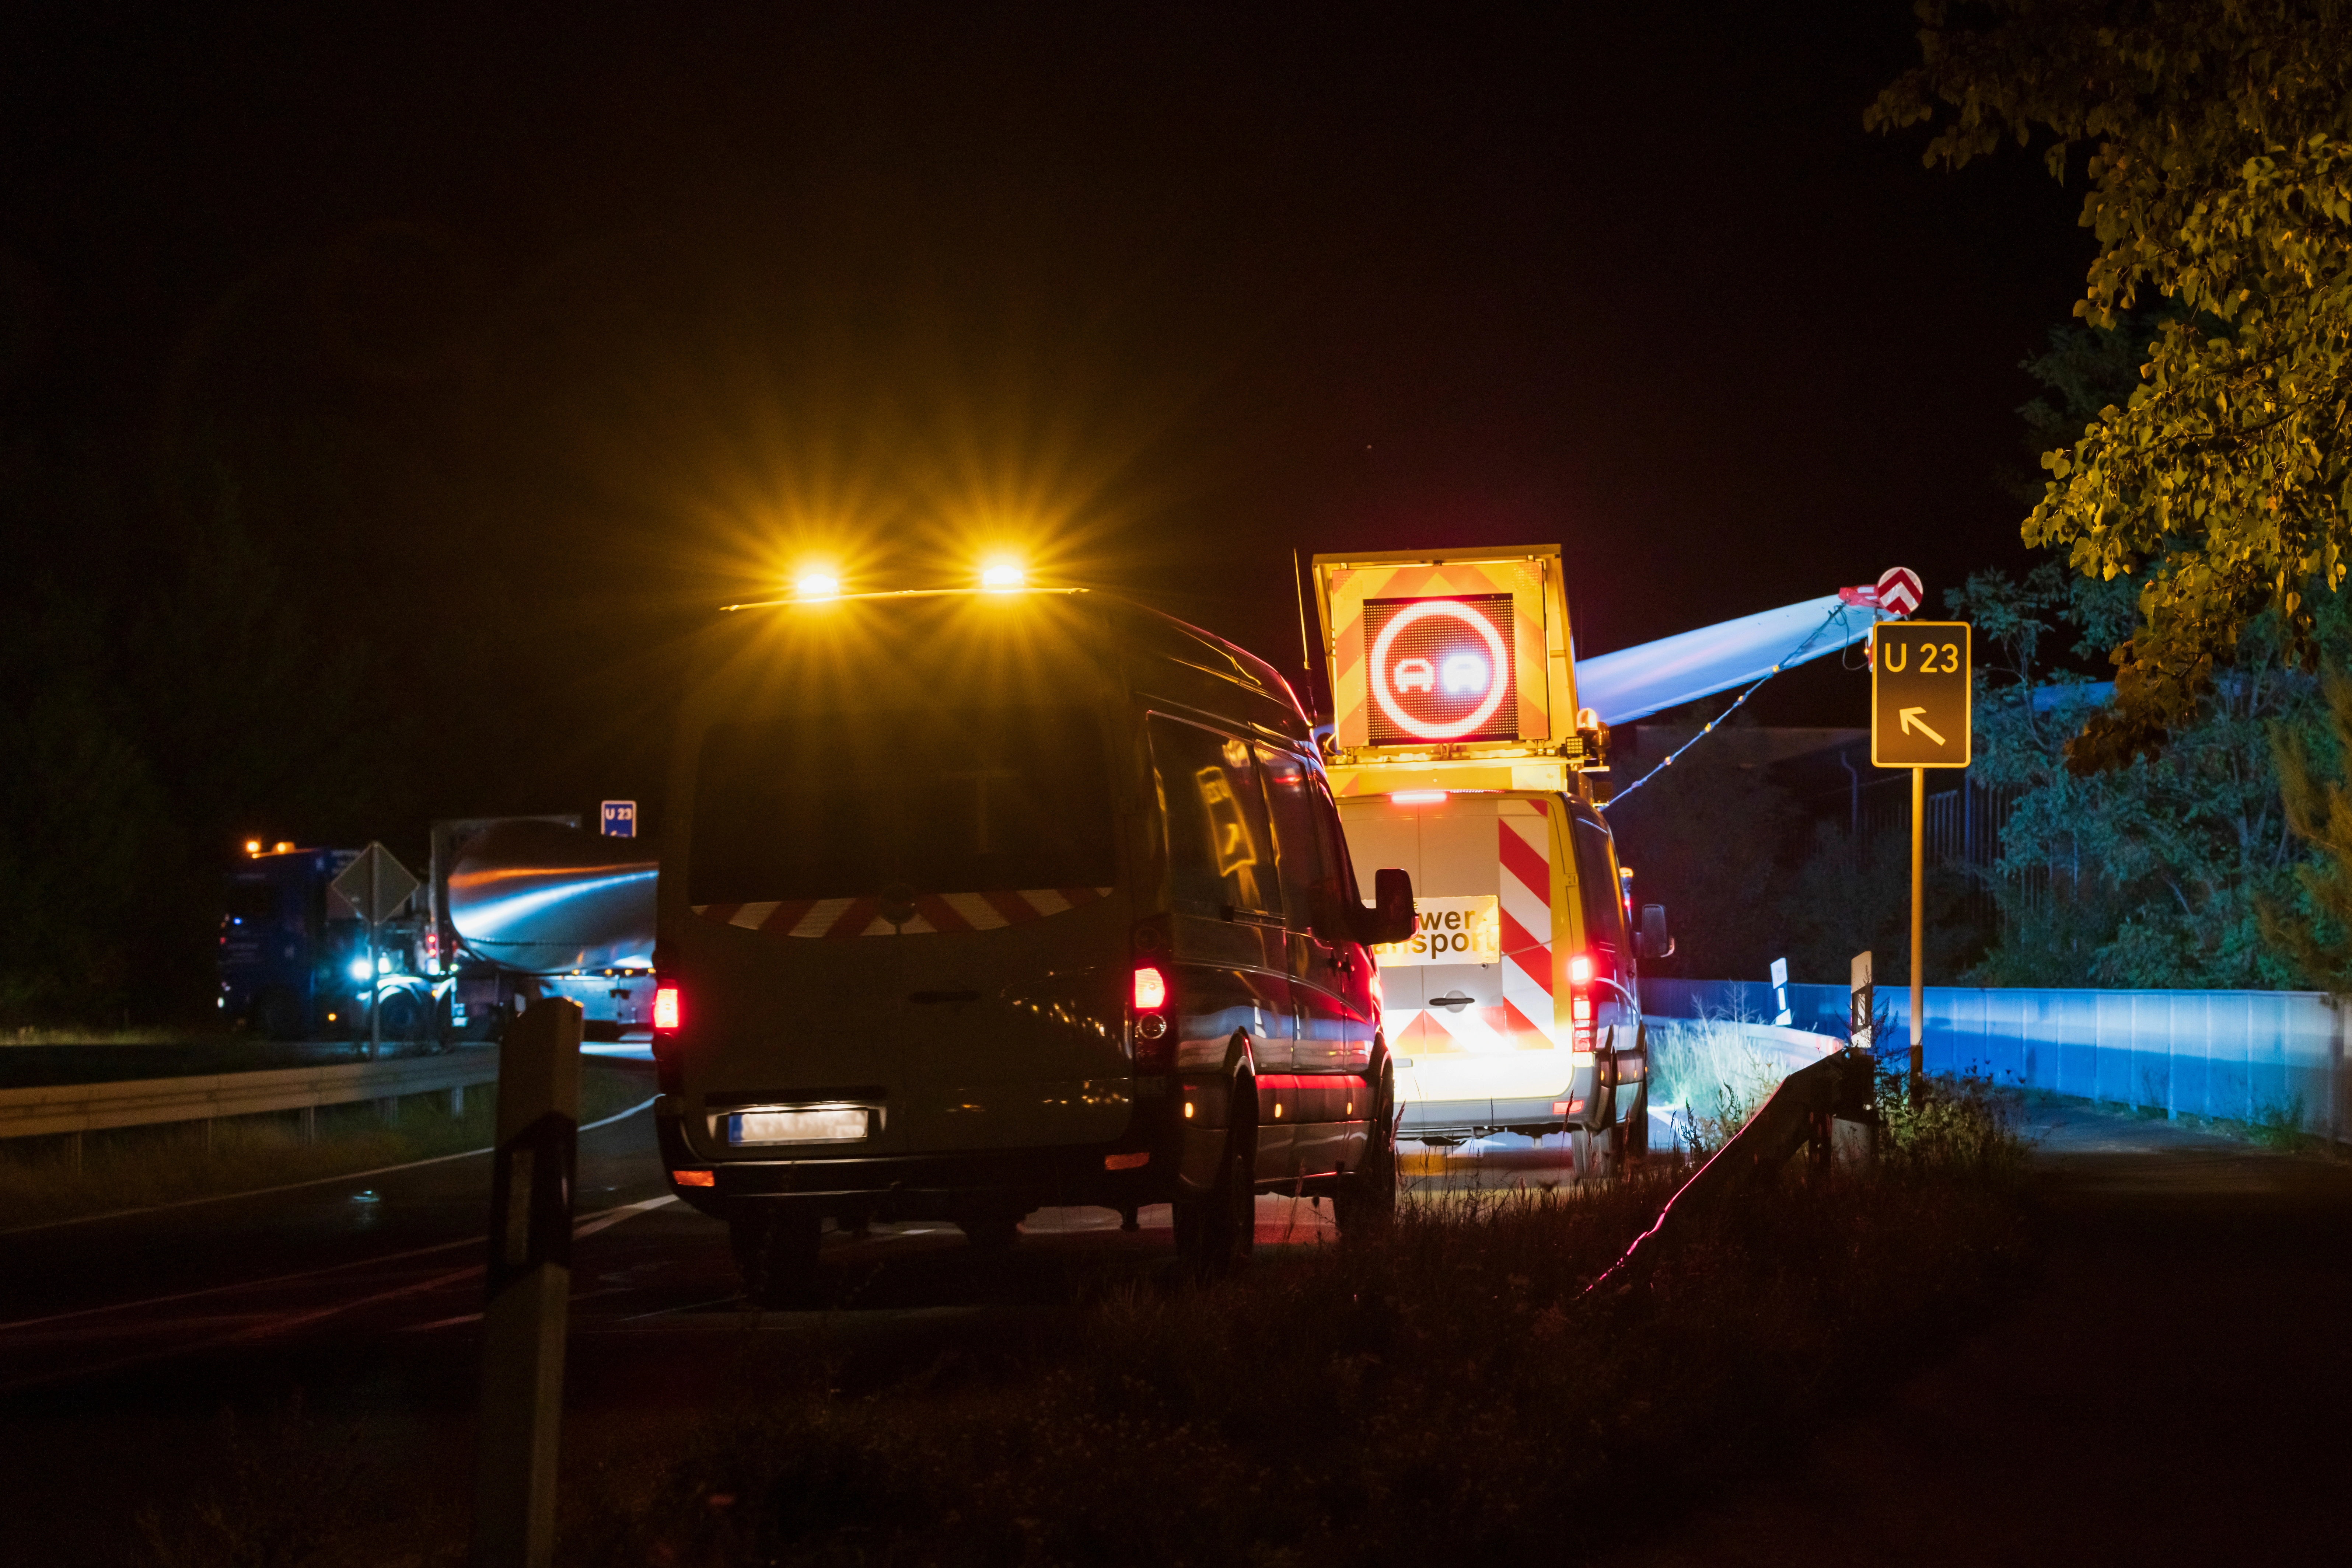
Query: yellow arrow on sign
1911	720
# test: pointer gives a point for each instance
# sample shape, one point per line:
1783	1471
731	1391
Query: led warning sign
1441	670
1467	652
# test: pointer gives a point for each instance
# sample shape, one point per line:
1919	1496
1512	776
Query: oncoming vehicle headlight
359	969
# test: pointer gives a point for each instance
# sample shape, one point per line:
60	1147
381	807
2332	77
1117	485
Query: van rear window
968	800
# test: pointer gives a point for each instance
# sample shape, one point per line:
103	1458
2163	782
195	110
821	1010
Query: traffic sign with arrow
1919	695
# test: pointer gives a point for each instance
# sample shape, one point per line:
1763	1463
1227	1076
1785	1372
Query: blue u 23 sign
620	817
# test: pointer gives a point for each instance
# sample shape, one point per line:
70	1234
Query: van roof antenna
1306	649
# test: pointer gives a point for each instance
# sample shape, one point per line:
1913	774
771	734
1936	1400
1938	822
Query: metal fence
73	1108
2255	1056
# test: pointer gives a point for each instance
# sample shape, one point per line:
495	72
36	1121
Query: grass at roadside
1443	1392
136	1167
32	1035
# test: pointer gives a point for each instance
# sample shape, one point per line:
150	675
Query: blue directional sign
620	818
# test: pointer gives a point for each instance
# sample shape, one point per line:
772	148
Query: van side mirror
1654	941
1390	918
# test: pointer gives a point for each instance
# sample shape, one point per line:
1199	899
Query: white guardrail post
529	1291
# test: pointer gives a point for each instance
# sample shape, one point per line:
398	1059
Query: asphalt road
351	1308
2172	1388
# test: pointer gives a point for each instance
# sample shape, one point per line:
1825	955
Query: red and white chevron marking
1899	590
1524	1019
933	912
1523	828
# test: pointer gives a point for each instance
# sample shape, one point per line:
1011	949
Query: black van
974	903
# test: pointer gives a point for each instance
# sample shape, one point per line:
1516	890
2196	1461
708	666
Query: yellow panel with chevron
1454	669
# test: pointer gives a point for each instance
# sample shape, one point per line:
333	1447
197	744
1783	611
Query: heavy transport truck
512	909
1458	753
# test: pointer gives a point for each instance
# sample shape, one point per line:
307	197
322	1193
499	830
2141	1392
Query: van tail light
669	1013
694	1178
1579	1002
1152	1029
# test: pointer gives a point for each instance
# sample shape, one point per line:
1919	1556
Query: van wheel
1367	1196
1215	1231
775	1255
1634	1132
992	1233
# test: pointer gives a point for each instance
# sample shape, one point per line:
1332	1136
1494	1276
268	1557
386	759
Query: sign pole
1922	703
375	960
1918	926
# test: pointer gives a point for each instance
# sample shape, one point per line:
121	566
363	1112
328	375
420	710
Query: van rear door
1469	1000
932	888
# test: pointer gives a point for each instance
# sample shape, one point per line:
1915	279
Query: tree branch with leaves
2216	136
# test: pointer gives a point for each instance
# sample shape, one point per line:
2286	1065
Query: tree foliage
2217	137
2154	873
2315	934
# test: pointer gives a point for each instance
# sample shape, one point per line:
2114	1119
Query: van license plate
842	1125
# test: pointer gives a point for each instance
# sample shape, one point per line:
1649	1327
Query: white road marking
600	1220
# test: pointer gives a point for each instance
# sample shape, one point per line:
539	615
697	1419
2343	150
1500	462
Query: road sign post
376	885
1921	717
529	1289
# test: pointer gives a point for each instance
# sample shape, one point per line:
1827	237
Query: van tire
1634	1132
775	1255
1215	1231
1366	1197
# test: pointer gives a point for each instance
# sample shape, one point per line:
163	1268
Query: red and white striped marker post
529	1289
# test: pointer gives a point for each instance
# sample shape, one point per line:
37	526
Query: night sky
579	319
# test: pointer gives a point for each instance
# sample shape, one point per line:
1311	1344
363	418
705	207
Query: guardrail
73	1108
2238	1056
1813	1106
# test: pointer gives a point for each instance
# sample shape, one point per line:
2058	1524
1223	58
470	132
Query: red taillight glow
1579	1002
667	1011
1150	990
1134	1162
1418	797
694	1178
1566	1107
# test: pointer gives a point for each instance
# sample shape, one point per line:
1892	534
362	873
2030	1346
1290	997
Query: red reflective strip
722	913
1012	906
1524	861
1520	947
785	917
854	919
940	912
1543	808
1522	1030
1077	896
